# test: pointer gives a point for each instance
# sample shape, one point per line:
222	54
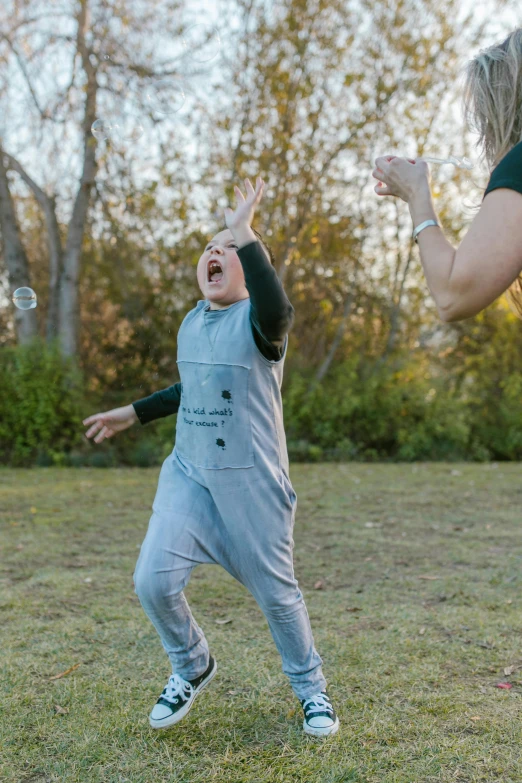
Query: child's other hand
243	214
109	423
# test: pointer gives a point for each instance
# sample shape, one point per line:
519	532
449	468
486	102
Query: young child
224	495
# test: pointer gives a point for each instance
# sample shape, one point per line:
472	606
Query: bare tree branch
23	69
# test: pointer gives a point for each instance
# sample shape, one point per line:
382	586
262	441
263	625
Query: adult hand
243	214
401	177
109	423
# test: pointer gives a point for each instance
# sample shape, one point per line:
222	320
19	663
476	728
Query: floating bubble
202	42
24	298
122	128
166	96
101	129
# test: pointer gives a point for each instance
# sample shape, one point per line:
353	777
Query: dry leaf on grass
422	630
67	671
291	712
353	609
430	578
223	622
475	717
61	710
509	670
319	585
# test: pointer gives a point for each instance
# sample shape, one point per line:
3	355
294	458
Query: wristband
422	226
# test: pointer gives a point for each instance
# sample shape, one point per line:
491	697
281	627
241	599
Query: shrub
40	405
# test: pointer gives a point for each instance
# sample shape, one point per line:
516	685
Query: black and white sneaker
178	696
320	719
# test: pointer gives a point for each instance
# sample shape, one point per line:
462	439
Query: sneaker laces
318	703
177	688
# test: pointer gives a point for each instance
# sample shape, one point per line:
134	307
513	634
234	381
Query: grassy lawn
412	578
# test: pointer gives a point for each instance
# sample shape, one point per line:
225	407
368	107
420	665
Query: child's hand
109	423
241	217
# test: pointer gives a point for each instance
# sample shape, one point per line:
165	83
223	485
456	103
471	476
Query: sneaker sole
180	714
321	732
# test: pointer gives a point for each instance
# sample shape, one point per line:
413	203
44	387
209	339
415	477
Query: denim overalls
224	497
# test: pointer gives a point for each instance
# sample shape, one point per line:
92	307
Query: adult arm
464	280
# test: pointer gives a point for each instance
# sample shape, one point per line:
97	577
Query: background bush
361	411
41	405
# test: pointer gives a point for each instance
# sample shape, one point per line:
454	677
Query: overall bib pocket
214	428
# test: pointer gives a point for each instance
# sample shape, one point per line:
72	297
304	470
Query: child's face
220	274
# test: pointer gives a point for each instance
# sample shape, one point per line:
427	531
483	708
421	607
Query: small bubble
101	129
166	96
24	298
202	42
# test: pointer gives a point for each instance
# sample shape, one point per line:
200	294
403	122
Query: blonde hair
493	108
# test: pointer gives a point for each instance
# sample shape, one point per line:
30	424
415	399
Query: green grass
411	662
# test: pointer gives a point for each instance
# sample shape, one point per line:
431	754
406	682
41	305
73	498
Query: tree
101	72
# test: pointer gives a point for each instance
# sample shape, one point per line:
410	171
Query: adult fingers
383	190
378	174
383	161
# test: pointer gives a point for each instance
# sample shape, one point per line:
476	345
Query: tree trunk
55	268
325	366
15	258
54	244
68	289
395	316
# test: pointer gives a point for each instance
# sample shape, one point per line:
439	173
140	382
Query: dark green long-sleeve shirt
271	317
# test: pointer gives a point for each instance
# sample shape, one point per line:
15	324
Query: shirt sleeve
158	405
508	173
271	313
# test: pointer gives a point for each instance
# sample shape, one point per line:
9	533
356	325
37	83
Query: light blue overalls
224	497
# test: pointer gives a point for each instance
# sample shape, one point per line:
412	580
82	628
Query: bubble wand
461	163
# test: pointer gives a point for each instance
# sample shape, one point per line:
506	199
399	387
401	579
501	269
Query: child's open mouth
214	272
